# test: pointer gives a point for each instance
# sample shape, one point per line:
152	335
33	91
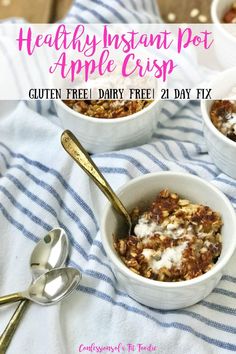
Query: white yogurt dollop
171	257
145	228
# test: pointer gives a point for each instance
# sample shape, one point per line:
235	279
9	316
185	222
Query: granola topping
173	240
108	109
223	116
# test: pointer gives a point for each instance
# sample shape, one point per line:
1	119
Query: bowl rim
105	120
206	116
149	282
217	21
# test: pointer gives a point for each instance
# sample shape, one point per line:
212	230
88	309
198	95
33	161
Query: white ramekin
101	135
225	42
168	295
221	149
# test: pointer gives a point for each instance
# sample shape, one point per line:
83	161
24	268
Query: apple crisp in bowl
223	116
107	109
181	242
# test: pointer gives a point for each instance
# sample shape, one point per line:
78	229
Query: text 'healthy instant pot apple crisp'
107	108
174	239
223	116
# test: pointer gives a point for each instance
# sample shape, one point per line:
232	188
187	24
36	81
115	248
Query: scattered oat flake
5	2
202	18
171	17
194	13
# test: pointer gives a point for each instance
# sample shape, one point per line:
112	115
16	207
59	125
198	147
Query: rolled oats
108	109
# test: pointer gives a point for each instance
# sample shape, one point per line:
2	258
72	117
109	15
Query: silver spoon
82	158
50	252
49	288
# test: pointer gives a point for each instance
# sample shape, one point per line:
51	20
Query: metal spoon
50	252
50	287
82	158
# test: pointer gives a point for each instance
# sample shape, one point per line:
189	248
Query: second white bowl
102	135
221	149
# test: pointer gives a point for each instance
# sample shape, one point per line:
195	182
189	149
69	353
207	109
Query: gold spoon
82	158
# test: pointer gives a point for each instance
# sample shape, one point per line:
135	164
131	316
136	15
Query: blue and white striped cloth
40	188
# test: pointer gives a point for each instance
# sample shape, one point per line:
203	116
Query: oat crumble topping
223	116
107	108
173	240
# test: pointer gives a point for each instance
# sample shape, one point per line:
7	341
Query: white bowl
221	149
168	295
101	135
225	41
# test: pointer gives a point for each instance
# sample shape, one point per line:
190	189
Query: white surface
100	311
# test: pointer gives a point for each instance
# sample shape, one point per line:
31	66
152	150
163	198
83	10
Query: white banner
115	61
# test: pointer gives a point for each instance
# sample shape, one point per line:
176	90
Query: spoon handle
11	298
82	158
8	333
